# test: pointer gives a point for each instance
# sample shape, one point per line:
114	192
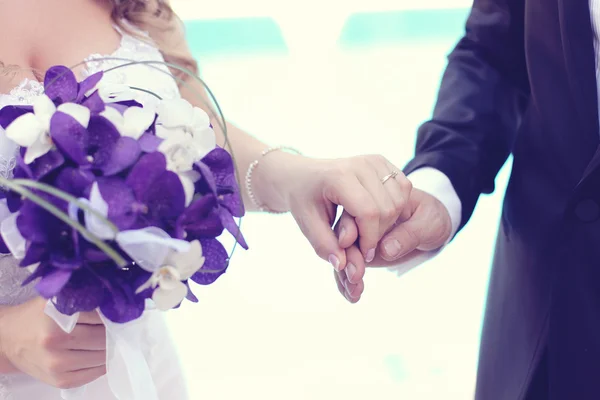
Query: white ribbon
128	372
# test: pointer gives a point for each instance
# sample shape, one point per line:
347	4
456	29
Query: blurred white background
275	327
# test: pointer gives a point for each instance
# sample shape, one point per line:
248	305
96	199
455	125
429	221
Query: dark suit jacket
522	81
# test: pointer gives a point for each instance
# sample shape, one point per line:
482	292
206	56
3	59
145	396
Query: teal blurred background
338	80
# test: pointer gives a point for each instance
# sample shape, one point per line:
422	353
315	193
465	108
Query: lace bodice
154	78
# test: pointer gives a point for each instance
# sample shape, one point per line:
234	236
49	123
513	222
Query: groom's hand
428	228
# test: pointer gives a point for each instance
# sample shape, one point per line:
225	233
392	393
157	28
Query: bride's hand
313	189
36	345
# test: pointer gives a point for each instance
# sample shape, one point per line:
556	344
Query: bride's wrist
273	178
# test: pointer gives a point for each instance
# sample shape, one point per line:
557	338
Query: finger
76	360
353	196
399	189
371	181
355	268
315	224
89	318
79	378
346	230
354	291
339	282
87	337
424	230
342	283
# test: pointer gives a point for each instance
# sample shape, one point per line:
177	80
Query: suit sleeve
482	95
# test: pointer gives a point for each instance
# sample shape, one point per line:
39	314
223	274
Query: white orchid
183	126
187	138
171	262
32	130
132	123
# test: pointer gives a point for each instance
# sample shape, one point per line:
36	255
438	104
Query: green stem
66	197
109	251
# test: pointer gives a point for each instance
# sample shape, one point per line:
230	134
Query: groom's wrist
438	185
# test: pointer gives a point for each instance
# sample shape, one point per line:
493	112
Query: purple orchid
149	196
96	144
208	215
99	147
217	261
61	85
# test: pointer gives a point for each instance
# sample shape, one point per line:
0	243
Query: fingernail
342	234
349	286
350	271
392	248
333	260
370	255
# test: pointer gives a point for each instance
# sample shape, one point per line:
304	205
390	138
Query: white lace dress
159	348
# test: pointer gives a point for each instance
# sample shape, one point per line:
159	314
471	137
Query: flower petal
75	181
94	103
80	113
89	84
149	143
115	118
145	172
189	262
200	219
149	247
201	120
52	283
41	167
175	113
84	292
204	142
167	299
25	130
124	154
122	305
94	224
137	121
188	187
215	265
36	253
70	137
233	228
39	148
165	202
120	199
60	84
44	109
179	152
10	113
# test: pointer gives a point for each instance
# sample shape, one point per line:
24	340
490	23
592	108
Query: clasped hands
421	224
385	220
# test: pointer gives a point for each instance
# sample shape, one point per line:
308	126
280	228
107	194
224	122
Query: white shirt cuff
437	184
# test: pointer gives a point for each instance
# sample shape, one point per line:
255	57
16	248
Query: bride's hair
164	27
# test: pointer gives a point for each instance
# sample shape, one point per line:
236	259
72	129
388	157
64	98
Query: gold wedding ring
388	177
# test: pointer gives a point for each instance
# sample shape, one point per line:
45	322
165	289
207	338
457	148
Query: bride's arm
273	170
311	189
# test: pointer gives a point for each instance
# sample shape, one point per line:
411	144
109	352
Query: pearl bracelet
253	165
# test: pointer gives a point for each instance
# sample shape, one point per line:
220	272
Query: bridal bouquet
116	206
